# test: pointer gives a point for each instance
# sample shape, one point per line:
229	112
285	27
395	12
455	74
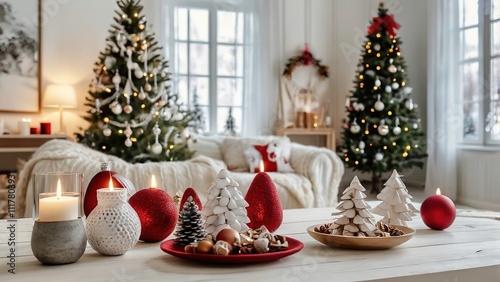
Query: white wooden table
468	251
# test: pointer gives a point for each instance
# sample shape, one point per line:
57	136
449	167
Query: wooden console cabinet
13	147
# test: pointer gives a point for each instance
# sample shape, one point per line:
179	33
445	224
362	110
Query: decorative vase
113	226
58	235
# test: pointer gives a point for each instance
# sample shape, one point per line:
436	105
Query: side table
326	132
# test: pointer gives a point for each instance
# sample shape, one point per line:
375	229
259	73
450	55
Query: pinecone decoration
190	225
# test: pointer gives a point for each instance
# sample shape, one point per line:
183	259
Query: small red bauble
438	212
190	192
264	203
157	213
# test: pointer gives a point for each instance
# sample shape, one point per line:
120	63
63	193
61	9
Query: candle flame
58	191
261	166
153	181
111	184
438	191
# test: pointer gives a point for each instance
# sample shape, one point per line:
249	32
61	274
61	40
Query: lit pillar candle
24	126
438	211
59	207
261	166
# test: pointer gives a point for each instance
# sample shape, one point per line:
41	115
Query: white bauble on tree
106	132
388	89
148	87
128	109
378	82
395	85
116	79
109	62
128	143
355	128
379	105
138	73
396	130
379	156
409	104
376	47
116	108
141	95
383	129
156	149
392	69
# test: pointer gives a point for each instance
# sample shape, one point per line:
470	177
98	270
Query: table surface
467	251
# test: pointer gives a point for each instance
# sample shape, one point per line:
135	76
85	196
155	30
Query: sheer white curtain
256	16
443	112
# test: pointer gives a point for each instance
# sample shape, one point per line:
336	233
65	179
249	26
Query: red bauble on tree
190	192
264	203
157	213
102	180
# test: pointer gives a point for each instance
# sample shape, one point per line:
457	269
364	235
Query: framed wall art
20	65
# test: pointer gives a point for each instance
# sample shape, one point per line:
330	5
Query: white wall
74	33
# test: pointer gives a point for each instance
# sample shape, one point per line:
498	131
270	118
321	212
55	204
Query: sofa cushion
233	150
273	156
206	146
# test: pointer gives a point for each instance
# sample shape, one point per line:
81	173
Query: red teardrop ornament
190	192
264	203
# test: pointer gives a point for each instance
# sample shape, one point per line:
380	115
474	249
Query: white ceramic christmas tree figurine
357	220
396	206
225	206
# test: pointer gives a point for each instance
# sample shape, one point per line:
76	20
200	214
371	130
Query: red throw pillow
268	159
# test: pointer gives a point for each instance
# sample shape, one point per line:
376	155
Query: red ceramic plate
170	247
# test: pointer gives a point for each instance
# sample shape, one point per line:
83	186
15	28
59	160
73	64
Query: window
479	33
208	59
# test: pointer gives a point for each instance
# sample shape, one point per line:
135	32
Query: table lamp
60	96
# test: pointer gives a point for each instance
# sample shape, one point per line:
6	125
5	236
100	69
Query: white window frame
484	60
168	15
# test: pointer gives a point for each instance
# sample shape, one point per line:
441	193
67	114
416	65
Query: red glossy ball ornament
438	211
190	192
101	180
157	213
264	203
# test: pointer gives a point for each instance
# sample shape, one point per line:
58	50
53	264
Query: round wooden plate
170	247
361	243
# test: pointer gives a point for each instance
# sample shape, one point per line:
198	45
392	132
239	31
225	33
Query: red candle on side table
438	211
45	127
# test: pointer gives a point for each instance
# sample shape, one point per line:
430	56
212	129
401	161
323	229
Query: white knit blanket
67	156
295	190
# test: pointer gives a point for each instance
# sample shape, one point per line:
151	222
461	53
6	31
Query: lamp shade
57	95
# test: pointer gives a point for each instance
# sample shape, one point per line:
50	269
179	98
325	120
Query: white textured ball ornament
383	129
395	85
376	47
388	89
415	125
379	156
379	106
392	69
147	87
361	144
396	130
138	73
106	132
378	82
355	128
128	143
142	95
117	109
156	149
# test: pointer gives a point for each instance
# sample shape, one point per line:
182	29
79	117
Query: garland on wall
305	59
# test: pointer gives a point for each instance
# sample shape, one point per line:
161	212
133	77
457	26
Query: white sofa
314	183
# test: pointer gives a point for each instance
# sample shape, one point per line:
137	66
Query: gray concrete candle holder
58	242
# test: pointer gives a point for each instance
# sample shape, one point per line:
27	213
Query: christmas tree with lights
132	114
382	131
